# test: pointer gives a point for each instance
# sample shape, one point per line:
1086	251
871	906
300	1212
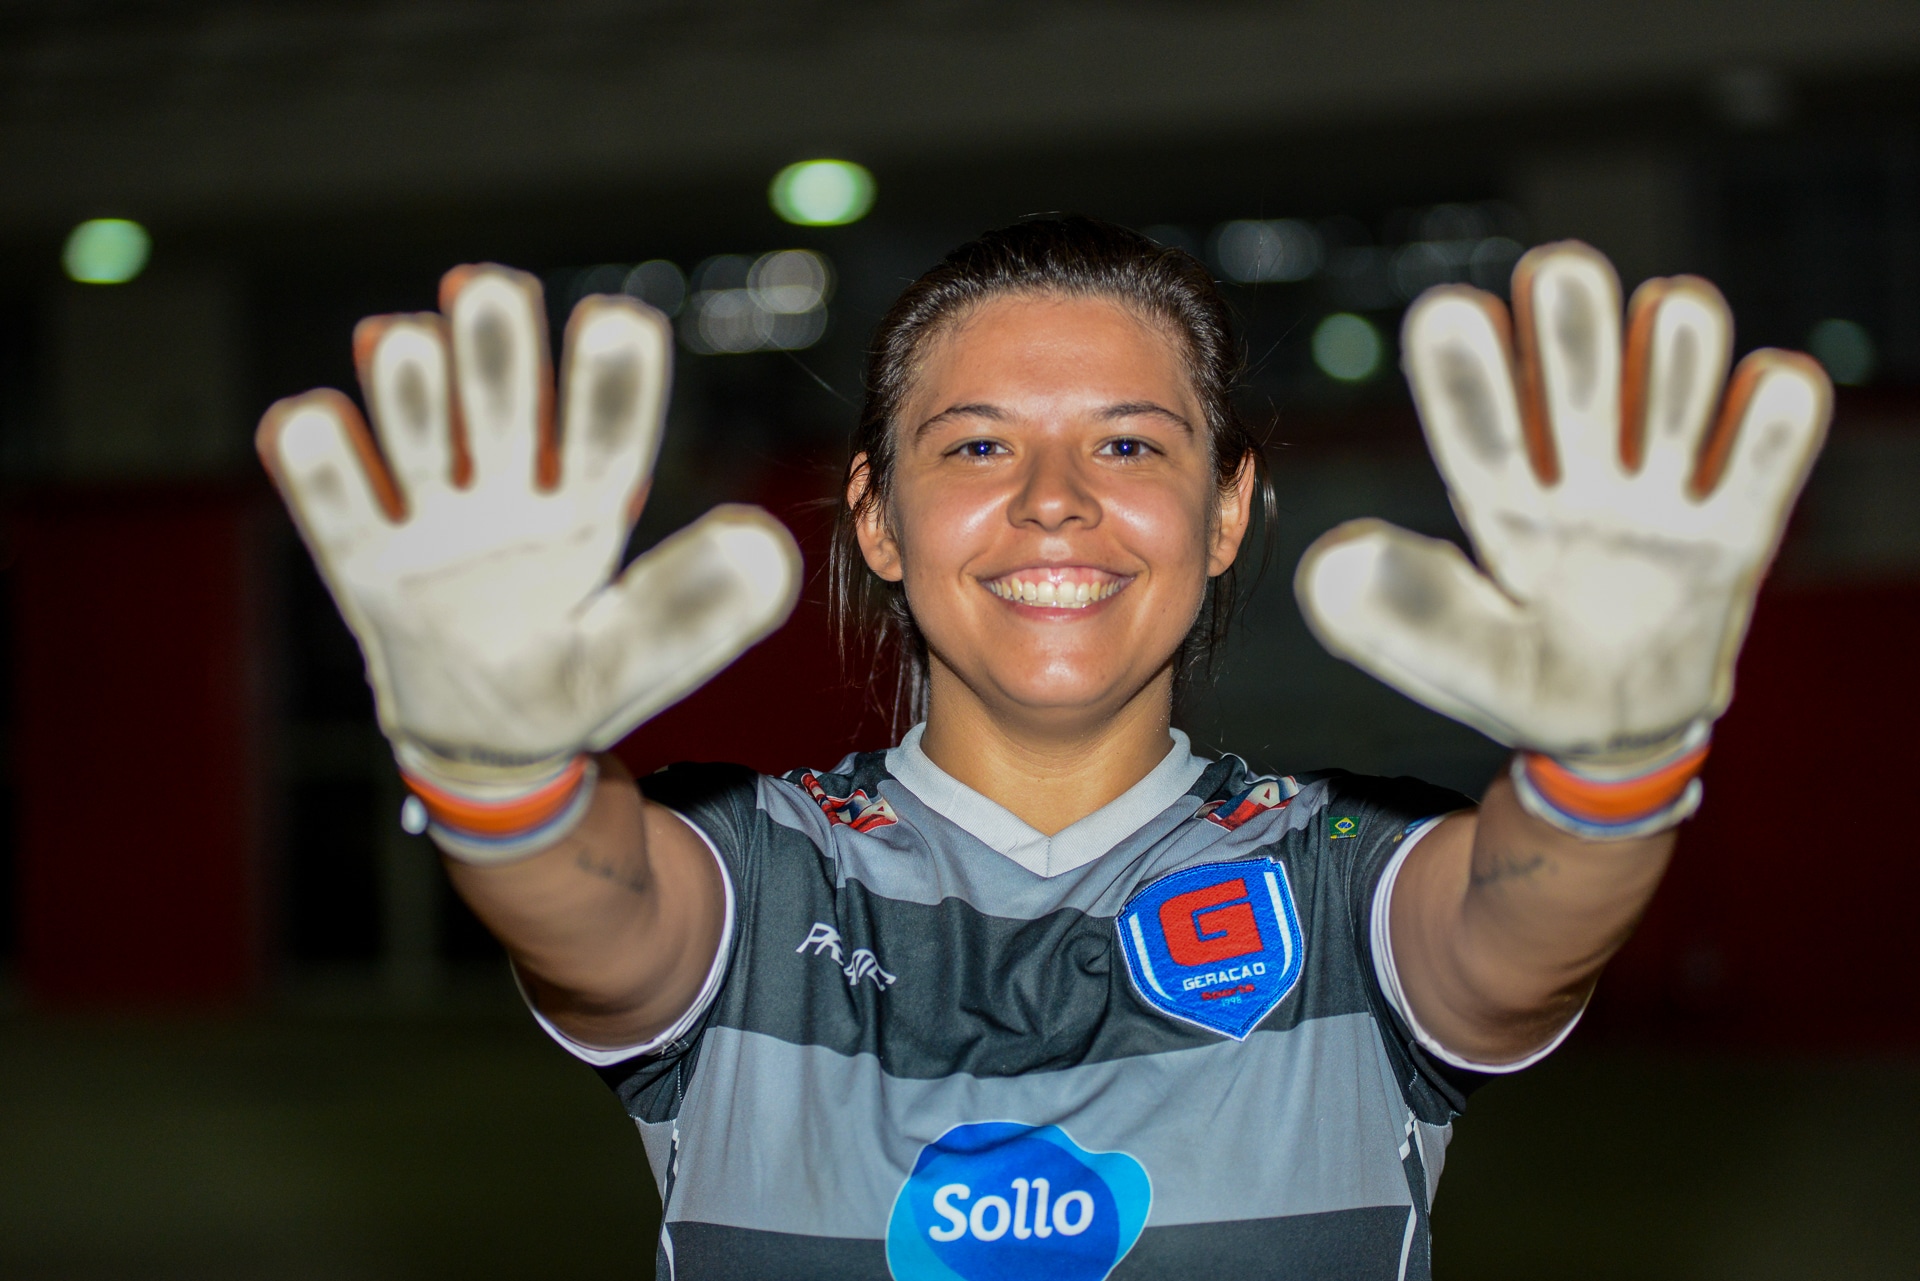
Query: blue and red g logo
999	1201
1217	945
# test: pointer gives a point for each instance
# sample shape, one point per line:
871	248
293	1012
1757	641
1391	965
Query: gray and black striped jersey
937	1044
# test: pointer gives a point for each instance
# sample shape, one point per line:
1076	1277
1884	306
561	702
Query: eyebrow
992	413
1111	413
1137	408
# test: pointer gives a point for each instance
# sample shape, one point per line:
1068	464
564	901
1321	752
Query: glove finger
1414	612
1679	343
1753	465
684	611
615	379
402	362
322	459
502	383
1566	306
1458	359
320	455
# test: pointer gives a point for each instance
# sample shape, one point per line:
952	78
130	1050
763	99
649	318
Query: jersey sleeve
1370	825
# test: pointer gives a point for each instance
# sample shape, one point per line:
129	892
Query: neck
1049	770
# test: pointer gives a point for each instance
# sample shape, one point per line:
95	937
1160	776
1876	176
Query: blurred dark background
246	1032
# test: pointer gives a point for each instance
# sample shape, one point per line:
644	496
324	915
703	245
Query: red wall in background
135	748
789	690
1789	916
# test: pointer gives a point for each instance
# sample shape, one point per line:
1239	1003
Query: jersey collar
1001	830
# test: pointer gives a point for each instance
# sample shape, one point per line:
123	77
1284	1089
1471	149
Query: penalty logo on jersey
996	1200
1217	945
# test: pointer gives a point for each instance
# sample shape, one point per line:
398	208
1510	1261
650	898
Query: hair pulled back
1074	257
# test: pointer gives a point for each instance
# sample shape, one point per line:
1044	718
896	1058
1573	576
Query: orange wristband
1582	799
1607	803
503	819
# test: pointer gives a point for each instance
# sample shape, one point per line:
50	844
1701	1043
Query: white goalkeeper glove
1622	526
470	542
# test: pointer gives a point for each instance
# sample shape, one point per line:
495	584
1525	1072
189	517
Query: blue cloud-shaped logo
996	1201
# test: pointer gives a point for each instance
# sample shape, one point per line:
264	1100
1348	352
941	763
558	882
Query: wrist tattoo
1505	867
627	878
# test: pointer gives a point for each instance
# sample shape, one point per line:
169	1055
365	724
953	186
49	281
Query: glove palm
1622	529
471	550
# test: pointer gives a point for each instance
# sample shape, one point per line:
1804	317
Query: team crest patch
996	1201
859	811
1267	794
1217	945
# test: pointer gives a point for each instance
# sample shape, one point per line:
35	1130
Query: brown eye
1127	447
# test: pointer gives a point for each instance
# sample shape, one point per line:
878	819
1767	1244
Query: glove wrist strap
1614	802
498	822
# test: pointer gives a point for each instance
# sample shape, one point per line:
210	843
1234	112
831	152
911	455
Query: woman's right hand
471	539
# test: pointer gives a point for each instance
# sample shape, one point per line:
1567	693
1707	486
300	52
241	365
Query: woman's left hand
1624	509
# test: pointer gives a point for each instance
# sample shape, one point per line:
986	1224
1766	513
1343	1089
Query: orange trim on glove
502	818
1599	801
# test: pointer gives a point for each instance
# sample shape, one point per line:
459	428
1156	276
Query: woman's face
1054	515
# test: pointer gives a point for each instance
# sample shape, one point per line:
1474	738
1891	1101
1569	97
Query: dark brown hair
1068	256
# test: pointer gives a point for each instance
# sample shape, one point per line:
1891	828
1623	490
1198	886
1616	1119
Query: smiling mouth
1067	588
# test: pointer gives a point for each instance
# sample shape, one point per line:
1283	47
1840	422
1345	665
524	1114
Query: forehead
1048	346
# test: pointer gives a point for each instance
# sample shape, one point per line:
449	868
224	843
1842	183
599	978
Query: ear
870	526
1231	518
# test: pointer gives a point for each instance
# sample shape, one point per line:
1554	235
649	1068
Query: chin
1064	699
1058	677
1058	690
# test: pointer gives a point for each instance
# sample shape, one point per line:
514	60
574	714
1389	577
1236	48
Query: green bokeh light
822	193
1347	347
1846	349
106	251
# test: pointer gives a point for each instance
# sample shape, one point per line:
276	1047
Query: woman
1039	991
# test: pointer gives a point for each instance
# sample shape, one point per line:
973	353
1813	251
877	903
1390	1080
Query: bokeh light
1347	347
1449	243
789	281
657	283
722	271
776	302
1846	349
1255	252
106	251
822	193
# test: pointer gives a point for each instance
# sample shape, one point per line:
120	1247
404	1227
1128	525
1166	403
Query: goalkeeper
1040	991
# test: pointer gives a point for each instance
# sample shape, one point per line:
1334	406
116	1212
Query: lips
1065	587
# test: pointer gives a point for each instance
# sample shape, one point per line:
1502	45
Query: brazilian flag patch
1339	827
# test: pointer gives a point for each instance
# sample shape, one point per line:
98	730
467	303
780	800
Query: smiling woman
1038	991
1036	279
1053	521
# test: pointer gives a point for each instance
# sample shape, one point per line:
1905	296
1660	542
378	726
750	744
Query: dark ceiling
215	114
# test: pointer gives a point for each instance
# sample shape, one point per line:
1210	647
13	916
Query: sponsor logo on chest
1218	945
997	1199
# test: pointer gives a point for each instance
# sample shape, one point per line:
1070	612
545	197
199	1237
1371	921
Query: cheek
1166	526
941	527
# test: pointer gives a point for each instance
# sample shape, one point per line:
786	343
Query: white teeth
1052	595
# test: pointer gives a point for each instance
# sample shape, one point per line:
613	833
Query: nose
1054	492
